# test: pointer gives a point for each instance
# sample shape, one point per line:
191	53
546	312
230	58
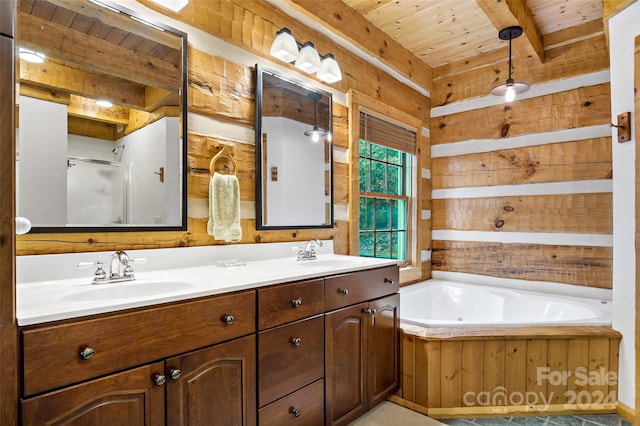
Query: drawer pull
229	319
369	311
174	373
297	341
296	303
388	281
87	353
159	379
344	291
296	412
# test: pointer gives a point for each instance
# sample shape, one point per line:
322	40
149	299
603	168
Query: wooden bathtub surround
470	372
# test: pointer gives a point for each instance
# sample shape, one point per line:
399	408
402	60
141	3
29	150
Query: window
386	181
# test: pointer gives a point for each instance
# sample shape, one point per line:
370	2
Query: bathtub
440	303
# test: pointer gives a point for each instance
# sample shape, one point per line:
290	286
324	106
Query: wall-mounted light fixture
286	48
31	55
510	89
316	133
104	103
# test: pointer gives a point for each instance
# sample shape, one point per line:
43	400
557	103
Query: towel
224	208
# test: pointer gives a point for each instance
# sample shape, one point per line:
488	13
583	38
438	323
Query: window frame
362	103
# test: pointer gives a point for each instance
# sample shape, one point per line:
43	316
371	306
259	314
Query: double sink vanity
258	340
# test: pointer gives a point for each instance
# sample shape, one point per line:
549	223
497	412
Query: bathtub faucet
307	252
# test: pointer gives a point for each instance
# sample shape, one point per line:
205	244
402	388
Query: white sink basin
328	263
126	290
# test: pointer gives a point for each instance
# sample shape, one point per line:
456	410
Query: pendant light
284	46
510	89
315	133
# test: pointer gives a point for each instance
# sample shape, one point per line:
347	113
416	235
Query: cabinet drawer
285	363
356	287
304	407
51	354
289	302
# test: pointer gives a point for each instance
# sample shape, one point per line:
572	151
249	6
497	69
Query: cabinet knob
229	319
369	311
174	373
389	281
87	353
344	291
296	303
296	412
159	379
297	341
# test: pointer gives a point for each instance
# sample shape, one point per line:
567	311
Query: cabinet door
129	398
384	349
345	369
215	385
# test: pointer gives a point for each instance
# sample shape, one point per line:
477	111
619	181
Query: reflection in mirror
293	154
101	119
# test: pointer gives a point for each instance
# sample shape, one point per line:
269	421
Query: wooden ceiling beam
63	43
506	13
59	78
346	22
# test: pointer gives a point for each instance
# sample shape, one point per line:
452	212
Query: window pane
383	245
365	173
399	215
399	245
395	180
363	213
383	215
364	148
378	152
395	156
366	244
366	213
378	177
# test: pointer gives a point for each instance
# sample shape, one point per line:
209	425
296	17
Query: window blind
381	132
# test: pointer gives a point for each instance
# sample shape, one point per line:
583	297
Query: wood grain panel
408	354
536	357
582	57
515	378
588	266
558	162
494	365
434	378
472	369
451	366
585	106
558	358
580	213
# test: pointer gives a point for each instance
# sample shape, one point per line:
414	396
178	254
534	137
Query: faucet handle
139	261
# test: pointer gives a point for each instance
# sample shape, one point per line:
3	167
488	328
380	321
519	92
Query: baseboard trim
626	412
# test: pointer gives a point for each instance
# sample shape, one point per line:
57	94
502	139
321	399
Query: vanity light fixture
286	48
316	133
511	88
104	103
175	5
31	56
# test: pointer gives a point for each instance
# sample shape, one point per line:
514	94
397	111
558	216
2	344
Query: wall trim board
544	238
475	146
547	188
591	79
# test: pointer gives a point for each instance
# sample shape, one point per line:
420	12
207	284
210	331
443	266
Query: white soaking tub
440	303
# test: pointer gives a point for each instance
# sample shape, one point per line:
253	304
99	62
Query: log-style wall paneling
585	106
480	75
476	372
568	161
583	213
579	265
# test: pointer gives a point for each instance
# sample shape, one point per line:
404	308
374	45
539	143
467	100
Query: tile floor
390	414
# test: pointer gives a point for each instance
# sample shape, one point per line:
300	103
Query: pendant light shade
329	69
315	133
511	88
309	59
284	46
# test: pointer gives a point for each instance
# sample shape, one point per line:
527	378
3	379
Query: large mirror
294	182
101	128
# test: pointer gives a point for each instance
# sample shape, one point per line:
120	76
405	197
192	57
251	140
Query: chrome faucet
120	268
307	252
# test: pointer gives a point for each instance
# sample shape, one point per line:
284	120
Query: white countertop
40	301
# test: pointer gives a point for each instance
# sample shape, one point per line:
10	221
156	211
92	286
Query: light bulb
510	94
315	137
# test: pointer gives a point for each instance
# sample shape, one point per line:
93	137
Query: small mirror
293	154
101	126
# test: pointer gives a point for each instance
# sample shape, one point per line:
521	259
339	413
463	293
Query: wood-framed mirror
294	154
101	119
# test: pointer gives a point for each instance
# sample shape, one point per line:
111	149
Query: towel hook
225	152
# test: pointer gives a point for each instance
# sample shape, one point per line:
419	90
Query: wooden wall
221	95
524	190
